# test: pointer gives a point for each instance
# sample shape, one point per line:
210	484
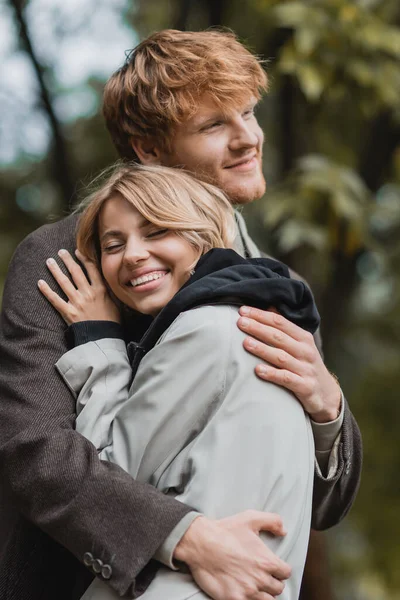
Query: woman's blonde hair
169	198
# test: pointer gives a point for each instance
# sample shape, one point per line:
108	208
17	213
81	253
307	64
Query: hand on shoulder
293	361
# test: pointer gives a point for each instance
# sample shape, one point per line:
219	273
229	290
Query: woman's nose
135	253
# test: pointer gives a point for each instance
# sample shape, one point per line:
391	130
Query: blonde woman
195	422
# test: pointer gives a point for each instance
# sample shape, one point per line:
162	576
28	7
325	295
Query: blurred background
331	211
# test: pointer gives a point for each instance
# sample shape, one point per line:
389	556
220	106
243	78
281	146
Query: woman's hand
88	299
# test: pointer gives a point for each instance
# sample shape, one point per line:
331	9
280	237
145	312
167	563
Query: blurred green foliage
332	211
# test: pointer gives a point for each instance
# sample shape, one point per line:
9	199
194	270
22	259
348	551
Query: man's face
225	150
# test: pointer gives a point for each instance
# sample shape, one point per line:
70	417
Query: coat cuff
327	437
91	331
165	553
325	434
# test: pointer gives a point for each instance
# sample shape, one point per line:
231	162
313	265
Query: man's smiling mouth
245	161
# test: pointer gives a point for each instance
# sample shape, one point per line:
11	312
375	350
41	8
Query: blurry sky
76	39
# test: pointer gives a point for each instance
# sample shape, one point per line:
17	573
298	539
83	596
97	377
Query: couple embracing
164	439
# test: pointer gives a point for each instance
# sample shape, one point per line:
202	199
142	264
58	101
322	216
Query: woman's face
144	265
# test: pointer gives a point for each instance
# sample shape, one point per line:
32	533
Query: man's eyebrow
220	116
201	121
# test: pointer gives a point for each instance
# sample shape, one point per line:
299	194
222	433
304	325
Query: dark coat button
97	564
106	572
88	559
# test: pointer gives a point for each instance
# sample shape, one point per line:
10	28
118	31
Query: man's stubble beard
246	194
239	195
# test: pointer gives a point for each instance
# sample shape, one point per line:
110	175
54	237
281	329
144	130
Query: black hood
223	276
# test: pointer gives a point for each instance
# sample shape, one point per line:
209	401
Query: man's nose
244	136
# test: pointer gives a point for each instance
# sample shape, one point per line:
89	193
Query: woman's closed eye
156	233
112	247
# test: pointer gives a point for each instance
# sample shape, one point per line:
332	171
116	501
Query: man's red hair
164	78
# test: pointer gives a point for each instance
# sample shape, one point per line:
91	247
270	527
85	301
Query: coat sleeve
335	493
55	476
99	375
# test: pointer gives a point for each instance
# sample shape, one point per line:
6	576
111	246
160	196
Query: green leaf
311	81
291	14
306	39
294	234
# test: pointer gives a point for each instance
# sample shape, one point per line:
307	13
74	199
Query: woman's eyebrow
144	223
110	233
117	232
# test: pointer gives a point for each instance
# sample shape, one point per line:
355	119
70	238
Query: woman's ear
147	150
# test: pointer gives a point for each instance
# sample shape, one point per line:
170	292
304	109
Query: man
181	99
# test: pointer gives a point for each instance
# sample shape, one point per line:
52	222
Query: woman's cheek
108	271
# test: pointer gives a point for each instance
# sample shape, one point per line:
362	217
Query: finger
280	570
267	317
278	357
271	587
274	571
63	281
58	303
91	268
264	521
274	586
287	379
78	276
265	334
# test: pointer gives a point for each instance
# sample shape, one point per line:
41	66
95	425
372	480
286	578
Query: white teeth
147	278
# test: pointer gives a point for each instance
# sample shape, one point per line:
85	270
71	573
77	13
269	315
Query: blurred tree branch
216	11
61	171
183	12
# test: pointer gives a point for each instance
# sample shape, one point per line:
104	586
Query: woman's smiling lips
147	281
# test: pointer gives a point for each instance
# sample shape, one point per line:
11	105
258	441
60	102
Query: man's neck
243	243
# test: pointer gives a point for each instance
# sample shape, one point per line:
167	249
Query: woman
196	421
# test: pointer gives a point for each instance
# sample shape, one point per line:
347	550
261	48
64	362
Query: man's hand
227	558
293	361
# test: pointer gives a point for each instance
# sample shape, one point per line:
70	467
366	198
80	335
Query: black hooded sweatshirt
221	276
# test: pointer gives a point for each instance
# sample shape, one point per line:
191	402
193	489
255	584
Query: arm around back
54	474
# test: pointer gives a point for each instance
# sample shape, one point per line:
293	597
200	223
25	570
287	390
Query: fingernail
244	323
62	251
50	261
262	369
244	310
40	282
250	343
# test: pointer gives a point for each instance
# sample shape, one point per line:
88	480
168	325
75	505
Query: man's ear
147	150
